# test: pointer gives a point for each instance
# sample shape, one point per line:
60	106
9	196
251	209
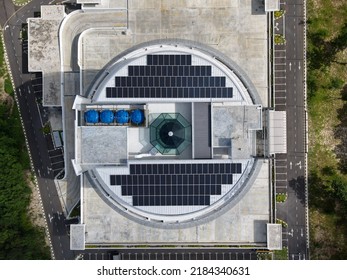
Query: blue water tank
137	117
122	116
106	116
91	116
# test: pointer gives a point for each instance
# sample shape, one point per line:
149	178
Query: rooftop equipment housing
91	116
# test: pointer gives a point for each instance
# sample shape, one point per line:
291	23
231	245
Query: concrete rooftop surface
74	51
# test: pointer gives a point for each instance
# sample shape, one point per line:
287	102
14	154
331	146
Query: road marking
299	164
60	155
57	162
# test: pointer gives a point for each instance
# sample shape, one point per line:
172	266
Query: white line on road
57	162
60	155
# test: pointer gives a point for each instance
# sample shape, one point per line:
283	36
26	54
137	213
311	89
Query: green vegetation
76	211
19	238
281	254
279	39
24	31
281	197
279	14
8	86
327	104
46	129
264	256
20	2
283	223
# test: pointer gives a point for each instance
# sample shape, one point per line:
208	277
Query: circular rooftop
173	193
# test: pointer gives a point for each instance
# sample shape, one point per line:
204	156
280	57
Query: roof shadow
258	7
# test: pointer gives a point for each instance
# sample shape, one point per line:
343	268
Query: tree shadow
322	53
298	185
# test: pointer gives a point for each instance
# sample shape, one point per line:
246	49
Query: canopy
170	133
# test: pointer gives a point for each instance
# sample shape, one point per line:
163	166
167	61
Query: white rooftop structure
173	74
272	5
187	169
274	236
44	53
277	132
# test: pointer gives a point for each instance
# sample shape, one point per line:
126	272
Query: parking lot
281	172
280	77
57	160
56	154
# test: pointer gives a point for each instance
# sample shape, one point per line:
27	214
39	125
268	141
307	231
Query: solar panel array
175	184
169	76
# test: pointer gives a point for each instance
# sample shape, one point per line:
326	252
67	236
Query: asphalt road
290	58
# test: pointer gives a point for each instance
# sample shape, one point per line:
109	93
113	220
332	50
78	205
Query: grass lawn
20	2
327	96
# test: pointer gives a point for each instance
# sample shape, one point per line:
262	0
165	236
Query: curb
21	4
306	129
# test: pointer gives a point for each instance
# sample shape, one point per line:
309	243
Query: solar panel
169	73
175	184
